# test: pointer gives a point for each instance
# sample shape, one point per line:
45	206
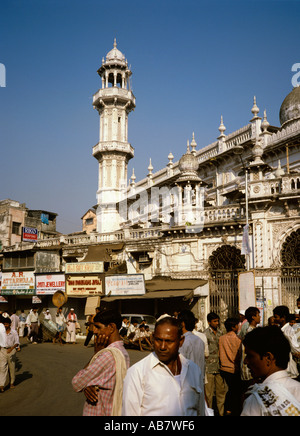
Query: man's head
187	319
231	324
167	339
281	315
267	351
7	323
108	323
252	315
213	320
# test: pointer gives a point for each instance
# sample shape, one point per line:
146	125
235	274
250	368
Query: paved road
43	380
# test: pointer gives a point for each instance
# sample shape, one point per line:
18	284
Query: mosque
219	230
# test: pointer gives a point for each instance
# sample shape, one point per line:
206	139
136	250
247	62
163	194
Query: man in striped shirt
102	378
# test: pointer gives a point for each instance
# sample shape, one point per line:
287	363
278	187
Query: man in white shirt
281	317
2	333
7	354
193	347
164	383
267	356
33	322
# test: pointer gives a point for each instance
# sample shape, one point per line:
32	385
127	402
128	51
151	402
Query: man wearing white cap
71	327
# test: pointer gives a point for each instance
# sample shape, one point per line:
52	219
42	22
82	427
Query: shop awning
164	287
152	295
167	283
100	253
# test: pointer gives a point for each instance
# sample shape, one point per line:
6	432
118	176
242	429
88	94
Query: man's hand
100	342
91	393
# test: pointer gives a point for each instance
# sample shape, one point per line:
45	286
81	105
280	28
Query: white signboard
18	283
247	296
50	283
121	285
84	267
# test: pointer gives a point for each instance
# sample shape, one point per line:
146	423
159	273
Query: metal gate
225	264
290	287
290	271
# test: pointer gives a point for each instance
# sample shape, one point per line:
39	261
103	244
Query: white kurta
150	389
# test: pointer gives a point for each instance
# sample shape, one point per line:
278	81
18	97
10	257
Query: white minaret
114	101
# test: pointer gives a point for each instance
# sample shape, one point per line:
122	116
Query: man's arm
133	393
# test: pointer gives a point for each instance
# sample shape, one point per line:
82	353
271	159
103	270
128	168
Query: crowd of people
235	369
30	325
231	369
13	327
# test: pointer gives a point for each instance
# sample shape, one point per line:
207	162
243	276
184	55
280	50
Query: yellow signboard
77	285
84	267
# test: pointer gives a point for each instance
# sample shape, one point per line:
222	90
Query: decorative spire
188	146
193	145
150	168
265	124
115	43
279	172
222	128
133	177
170	157
254	109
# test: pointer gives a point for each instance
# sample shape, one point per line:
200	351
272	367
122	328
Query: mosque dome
188	166
188	162
115	55
290	108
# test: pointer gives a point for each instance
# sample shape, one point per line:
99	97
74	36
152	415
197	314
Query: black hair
107	317
172	321
6	320
282	311
250	313
188	318
291	317
211	316
230	323
269	339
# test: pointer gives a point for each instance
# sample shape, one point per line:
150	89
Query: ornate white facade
192	225
182	226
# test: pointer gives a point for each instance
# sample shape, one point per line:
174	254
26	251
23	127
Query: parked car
149	319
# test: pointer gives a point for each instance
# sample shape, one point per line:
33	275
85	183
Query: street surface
43	379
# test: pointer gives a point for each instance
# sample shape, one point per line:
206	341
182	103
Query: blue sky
192	61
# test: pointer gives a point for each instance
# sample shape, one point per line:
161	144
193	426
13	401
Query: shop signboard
84	267
48	284
127	284
83	285
18	283
29	234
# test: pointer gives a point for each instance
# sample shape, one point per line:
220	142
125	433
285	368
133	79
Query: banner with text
49	284
121	285
18	283
83	286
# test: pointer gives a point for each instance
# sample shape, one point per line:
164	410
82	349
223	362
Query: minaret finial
115	43
254	109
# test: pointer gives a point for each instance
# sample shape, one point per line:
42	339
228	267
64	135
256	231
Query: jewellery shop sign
18	283
83	279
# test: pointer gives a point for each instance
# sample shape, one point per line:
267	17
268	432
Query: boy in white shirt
267	356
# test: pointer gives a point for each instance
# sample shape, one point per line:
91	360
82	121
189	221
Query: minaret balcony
123	95
113	146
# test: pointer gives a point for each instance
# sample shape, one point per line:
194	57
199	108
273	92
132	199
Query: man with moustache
164	383
102	378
